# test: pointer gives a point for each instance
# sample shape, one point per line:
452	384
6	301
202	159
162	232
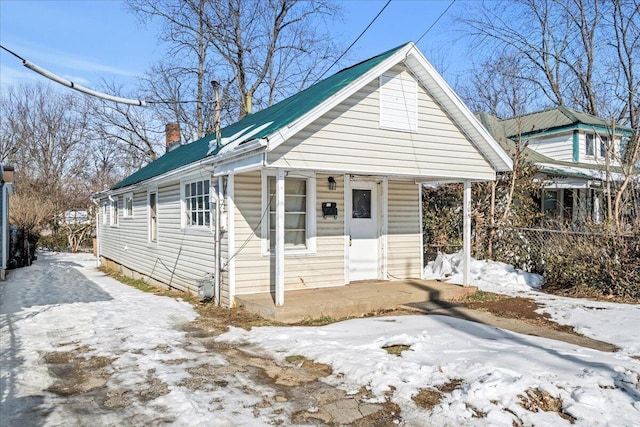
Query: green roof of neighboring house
554	119
278	115
560	117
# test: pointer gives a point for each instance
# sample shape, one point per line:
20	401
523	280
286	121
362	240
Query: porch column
466	233
280	237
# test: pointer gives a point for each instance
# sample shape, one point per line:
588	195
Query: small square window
361	207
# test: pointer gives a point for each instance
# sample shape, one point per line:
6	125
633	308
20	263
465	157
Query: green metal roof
553	119
500	132
278	115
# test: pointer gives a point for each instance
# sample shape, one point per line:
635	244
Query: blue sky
90	41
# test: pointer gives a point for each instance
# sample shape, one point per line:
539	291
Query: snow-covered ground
63	303
614	323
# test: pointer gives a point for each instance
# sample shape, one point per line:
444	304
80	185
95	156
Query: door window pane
361	204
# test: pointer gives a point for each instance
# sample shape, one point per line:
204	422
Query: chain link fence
567	259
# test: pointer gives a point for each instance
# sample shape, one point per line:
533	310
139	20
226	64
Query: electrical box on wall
329	209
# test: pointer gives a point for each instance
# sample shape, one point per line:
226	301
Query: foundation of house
352	300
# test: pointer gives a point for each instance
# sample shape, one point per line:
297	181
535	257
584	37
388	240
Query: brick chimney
172	133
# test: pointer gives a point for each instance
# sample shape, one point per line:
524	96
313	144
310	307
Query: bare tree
578	53
136	131
259	49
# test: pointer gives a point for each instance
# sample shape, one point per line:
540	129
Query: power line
436	21
354	42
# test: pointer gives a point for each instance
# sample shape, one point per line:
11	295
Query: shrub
604	264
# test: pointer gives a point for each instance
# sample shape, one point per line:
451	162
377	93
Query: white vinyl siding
404	251
179	258
557	146
349	138
398	102
255	271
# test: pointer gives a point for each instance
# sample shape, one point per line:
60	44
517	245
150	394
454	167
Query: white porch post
280	237
466	231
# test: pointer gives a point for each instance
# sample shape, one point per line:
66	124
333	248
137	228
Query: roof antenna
216	120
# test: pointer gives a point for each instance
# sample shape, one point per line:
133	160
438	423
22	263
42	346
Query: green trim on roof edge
280	115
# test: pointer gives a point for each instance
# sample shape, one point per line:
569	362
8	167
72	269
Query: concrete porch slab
352	300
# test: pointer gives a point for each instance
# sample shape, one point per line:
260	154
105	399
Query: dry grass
534	400
430	398
396	349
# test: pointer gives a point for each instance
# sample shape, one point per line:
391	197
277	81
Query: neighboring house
6	189
571	151
319	190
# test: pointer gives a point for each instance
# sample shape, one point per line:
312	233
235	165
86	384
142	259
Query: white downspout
466	232
218	255
280	237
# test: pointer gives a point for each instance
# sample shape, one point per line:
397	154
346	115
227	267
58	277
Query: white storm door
363	228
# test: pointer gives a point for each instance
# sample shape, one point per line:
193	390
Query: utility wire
436	21
354	42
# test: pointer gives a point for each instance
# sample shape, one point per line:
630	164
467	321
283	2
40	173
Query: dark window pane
361	203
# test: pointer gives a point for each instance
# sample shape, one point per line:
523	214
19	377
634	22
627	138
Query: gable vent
398	102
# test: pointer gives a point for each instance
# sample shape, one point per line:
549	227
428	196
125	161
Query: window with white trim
598	151
114	212
105	212
299	214
589	145
127	211
152	201
398	102
196	207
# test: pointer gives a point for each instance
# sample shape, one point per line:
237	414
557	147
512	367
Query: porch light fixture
332	183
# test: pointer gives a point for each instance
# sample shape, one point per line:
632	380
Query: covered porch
352	300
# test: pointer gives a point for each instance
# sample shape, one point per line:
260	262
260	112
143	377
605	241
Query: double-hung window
299	215
128	205
589	145
196	208
105	212
114	212
152	206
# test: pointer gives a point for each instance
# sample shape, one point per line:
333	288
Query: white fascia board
282	135
453	177
243	164
471	120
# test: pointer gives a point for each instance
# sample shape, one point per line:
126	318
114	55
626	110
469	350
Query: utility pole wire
354	42
436	21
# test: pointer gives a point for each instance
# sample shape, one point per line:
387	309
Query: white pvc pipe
79	88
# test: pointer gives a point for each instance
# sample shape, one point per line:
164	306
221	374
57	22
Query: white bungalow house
572	151
319	190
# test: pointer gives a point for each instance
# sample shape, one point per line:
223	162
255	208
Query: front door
363	227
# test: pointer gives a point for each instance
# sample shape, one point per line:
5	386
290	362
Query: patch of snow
609	322
496	367
489	276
